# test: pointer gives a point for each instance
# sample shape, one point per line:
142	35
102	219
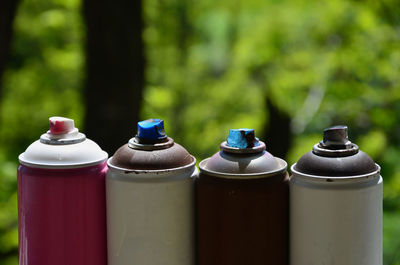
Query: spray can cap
62	146
336	137
151	149
61	125
242	138
151	130
62	131
335	156
242	141
242	155
335	143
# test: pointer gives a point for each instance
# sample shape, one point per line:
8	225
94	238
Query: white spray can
336	205
150	200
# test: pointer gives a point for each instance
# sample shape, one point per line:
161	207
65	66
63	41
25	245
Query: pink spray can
61	199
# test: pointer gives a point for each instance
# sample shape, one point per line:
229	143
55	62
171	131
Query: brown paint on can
242	221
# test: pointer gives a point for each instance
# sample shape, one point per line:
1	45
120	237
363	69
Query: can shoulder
43	155
353	165
135	159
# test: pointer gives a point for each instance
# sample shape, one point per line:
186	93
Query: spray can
336	204
61	199
242	205
150	199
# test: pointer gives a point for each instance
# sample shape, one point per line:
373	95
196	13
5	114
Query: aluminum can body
150	200
336	222
62	216
242	207
61	199
150	217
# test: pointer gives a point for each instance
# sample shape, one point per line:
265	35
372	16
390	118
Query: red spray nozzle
61	125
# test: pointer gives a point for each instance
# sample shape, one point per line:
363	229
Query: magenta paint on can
61	199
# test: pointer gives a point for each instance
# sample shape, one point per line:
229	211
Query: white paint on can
335	221
150	216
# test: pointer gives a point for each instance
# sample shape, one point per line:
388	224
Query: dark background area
288	69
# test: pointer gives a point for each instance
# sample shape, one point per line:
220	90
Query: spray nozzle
335	143
61	125
336	137
242	138
151	130
62	131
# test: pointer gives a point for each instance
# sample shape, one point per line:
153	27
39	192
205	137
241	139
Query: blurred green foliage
43	78
210	67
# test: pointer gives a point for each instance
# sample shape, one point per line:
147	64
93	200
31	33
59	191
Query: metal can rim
72	165
256	149
367	176
138	173
244	176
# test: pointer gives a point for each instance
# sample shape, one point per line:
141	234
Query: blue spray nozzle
242	138
151	130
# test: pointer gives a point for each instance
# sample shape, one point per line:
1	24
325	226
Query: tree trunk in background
179	90
7	13
115	70
277	134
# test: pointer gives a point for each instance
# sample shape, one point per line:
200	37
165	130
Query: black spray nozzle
336	137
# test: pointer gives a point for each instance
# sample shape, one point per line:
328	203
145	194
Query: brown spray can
242	197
